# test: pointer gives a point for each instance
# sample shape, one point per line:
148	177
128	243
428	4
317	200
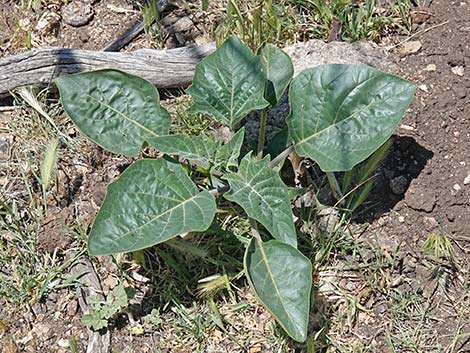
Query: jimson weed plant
340	115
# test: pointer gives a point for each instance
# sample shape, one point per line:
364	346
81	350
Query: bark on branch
164	68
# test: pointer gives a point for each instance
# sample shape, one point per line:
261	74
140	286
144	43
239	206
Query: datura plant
340	114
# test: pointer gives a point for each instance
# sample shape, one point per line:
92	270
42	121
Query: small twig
417	34
126	37
352	190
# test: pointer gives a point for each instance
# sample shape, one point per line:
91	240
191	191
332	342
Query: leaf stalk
262	132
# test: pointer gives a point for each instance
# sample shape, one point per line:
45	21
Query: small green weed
101	312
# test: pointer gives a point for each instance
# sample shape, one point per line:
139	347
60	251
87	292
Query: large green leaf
278	69
282	280
229	83
116	110
260	191
340	114
151	202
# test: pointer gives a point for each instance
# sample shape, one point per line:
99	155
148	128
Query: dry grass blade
29	97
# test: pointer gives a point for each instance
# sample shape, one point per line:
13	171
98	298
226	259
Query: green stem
335	186
262	132
281	156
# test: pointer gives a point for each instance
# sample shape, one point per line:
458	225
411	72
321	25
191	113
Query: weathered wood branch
164	68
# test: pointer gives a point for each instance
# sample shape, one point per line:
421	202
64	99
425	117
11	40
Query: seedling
340	115
100	312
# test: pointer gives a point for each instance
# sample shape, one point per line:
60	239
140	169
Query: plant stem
335	186
219	191
262	132
281	156
254	230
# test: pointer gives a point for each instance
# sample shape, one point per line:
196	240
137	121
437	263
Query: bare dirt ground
392	297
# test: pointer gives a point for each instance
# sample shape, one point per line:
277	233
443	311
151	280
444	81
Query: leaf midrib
271	275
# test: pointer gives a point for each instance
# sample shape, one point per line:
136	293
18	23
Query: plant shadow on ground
176	296
403	163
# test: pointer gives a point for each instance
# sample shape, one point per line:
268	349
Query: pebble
77	13
430	223
431	67
398	185
328	219
48	23
183	24
63	343
423	88
466	181
458	70
6	141
410	47
457	187
401	219
407	127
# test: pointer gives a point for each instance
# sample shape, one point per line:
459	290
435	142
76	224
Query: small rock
328	219
169	19
457	187
401	219
49	23
71	308
407	127
466	181
458	70
77	13
398	185
423	88
63	343
410	47
6	141
430	223
183	24
431	67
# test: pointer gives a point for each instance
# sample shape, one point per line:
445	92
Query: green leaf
202	149
260	191
282	280
152	201
227	155
278	69
116	110
195	148
118	296
94	321
279	142
340	114
229	83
